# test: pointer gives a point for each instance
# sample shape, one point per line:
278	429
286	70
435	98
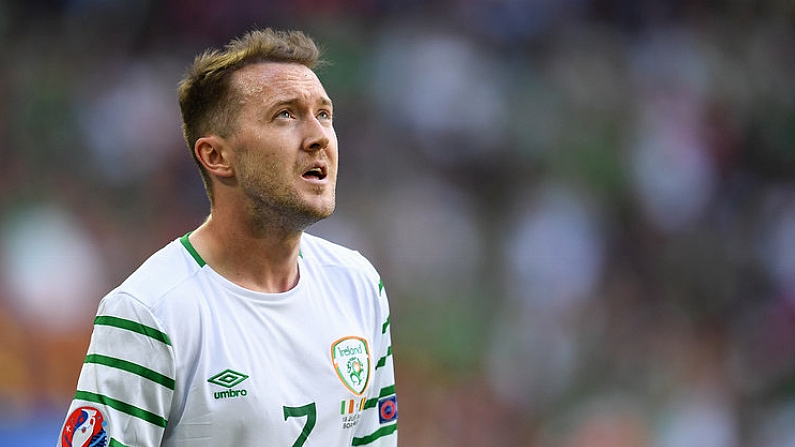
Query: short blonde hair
206	97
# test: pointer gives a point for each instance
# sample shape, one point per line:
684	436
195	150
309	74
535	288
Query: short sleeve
126	383
378	426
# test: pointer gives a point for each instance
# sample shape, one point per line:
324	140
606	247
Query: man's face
284	145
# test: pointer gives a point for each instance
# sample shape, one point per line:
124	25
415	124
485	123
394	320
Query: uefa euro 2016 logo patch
85	427
387	409
351	359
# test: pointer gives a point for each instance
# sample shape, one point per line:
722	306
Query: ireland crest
351	359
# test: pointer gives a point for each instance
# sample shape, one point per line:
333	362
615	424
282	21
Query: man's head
208	100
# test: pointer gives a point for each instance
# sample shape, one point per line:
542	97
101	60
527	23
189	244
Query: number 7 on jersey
307	410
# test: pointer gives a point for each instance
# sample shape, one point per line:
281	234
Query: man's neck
265	260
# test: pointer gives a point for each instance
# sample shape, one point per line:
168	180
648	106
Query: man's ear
214	154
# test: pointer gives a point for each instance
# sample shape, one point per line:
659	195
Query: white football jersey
180	356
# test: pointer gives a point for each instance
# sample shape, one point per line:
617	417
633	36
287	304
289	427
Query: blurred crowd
583	210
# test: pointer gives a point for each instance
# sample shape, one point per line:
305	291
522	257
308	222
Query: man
246	331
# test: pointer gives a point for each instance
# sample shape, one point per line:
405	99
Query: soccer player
246	331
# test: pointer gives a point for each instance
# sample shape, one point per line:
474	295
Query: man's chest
259	372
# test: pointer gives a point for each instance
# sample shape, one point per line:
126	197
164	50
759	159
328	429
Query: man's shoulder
329	253
164	270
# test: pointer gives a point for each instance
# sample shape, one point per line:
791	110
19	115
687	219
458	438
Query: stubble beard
285	213
272	201
273	206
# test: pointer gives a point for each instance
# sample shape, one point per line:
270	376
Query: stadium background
583	210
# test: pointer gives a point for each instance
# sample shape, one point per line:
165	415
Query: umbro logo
228	378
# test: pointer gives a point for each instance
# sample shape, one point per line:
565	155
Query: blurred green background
583	210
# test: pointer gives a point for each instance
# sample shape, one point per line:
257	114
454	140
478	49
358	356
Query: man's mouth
316	172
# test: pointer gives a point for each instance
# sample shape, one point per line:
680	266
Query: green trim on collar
191	249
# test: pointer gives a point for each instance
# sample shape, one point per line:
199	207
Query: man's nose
317	135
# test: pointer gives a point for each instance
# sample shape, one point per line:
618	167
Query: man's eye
283	114
324	115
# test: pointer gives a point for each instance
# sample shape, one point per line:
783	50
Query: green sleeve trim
385	326
380	286
380	433
123	407
382	360
388	391
131	367
133	326
115	443
191	249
